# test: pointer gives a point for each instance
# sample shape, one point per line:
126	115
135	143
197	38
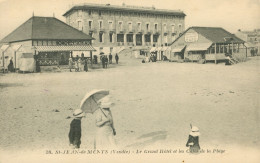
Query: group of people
104	122
105	60
80	64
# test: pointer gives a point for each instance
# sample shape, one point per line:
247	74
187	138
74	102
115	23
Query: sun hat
78	113
194	131
105	102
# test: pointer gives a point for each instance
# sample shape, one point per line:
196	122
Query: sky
228	14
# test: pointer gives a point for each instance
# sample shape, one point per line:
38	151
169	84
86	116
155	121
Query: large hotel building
123	27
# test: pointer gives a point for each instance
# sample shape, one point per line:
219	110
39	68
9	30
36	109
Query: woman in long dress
105	127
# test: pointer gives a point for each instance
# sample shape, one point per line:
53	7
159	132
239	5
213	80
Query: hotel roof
45	28
125	8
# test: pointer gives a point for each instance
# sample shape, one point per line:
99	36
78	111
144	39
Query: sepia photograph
126	81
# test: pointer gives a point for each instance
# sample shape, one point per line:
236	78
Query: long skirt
105	138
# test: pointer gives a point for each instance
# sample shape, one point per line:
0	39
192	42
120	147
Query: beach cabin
207	44
50	40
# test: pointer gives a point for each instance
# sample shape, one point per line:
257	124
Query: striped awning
64	48
178	48
199	46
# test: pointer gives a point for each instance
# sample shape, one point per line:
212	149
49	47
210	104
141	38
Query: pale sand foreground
155	104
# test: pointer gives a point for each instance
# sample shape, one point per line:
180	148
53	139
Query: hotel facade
116	28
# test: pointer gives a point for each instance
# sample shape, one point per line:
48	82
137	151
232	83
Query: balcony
101	30
120	43
121	31
140	31
148	31
131	31
148	43
130	44
92	30
112	30
157	32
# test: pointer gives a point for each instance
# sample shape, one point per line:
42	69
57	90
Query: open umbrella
89	103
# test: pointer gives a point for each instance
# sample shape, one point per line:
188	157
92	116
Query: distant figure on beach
193	141
106	61
102	58
75	129
110	58
105	126
77	63
70	63
86	65
95	59
143	61
117	58
11	65
80	64
38	67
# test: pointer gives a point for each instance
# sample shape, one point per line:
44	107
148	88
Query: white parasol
89	103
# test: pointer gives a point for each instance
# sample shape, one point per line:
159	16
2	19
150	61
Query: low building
207	43
47	38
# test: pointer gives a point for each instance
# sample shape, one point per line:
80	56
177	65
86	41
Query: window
139	26
180	27
120	26
165	39
100	24
155	27
147	27
100	37
120	38
90	24
164	27
110	37
173	30
80	26
110	25
130	26
44	43
129	37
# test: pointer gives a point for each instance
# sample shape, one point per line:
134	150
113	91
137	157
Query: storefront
50	40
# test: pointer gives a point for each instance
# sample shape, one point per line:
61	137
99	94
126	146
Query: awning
65	48
178	48
16	47
153	49
198	46
4	47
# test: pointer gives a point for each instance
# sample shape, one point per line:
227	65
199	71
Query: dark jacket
75	132
195	147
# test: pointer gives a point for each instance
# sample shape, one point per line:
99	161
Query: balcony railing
140	31
131	30
120	43
157	32
148	43
112	30
148	31
92	30
130	44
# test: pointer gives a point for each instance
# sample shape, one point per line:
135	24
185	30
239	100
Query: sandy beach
155	105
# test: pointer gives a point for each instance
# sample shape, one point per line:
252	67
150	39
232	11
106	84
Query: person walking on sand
11	65
75	129
70	63
110	58
80	64
106	61
86	65
105	126
117	58
193	140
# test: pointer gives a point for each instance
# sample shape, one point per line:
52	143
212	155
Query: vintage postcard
129	81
